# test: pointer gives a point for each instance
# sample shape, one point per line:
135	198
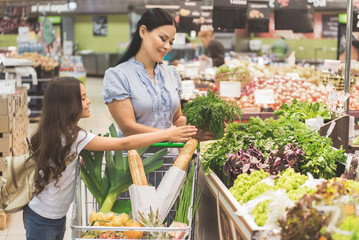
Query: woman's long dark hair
152	19
57	130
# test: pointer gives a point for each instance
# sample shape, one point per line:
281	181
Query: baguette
186	154
136	167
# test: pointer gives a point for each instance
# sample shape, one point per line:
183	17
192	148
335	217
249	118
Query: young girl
57	137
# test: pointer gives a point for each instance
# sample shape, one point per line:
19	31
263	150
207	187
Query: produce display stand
85	203
234	223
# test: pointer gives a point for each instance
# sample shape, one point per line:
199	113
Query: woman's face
205	40
158	42
85	102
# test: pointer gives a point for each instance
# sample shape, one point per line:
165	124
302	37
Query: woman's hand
204	135
180	134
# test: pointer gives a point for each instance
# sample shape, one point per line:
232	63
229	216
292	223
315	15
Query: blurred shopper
213	48
142	94
280	50
56	145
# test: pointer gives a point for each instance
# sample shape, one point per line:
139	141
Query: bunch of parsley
210	112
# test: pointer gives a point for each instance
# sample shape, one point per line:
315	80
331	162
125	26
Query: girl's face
158	42
85	102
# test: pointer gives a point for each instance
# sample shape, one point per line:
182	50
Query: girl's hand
181	134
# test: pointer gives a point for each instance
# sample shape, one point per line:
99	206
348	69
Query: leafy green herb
269	135
210	113
303	110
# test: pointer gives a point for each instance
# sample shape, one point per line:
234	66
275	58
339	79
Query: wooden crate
4	220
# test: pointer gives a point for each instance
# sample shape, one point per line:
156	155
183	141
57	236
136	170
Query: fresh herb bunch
303	110
210	113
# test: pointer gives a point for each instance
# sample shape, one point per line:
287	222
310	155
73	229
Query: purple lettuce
281	159
244	162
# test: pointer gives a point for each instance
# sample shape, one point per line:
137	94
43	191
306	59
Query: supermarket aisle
99	122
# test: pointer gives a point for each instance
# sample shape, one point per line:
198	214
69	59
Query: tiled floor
99	122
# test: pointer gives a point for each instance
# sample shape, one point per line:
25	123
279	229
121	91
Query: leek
117	177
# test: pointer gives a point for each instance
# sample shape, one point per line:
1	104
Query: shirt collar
141	66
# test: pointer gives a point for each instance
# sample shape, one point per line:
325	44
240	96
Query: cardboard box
7	105
5	154
6	123
4	220
5	142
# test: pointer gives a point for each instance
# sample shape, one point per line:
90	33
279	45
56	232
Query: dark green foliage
210	113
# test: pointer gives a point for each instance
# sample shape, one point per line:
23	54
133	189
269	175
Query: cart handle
170	145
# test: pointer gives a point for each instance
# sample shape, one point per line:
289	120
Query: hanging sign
206	20
356	20
290	4
189	10
258	17
235	12
296	15
330	26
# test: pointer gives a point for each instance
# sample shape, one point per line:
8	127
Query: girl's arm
174	134
122	112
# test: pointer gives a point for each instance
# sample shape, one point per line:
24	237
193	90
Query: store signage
331	66
258	11
206	20
235	13
51	7
230	3
316	3
258	17
23	34
356	21
230	89
189	11
7	86
297	16
290	4
330	26
264	96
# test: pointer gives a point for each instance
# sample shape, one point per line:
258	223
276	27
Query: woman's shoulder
170	68
120	67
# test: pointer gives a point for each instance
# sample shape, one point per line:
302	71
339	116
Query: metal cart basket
85	203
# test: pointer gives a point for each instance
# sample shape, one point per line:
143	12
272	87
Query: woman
141	93
214	49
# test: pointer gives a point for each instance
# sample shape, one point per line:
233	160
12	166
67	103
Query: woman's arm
178	118
122	112
174	134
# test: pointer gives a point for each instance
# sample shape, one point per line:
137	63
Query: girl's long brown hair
57	130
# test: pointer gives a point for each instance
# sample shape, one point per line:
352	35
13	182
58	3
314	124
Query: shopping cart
85	203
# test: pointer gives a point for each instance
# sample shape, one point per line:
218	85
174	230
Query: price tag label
348	162
68	46
187	88
230	89
264	96
331	65
191	72
23	34
7	86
